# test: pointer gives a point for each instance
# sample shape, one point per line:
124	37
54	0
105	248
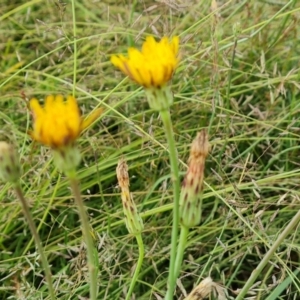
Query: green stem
37	240
91	251
166	119
139	265
255	273
181	247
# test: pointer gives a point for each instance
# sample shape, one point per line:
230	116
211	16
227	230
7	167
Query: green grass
243	86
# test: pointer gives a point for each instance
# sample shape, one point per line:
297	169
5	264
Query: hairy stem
91	251
181	247
166	118
138	266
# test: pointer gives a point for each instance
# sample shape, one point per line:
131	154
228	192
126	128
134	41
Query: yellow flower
154	65
58	123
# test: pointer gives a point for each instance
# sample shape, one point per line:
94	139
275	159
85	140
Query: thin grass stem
74	46
130	40
37	239
256	272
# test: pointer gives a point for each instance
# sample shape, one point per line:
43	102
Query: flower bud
206	287
10	170
159	98
67	159
134	222
191	191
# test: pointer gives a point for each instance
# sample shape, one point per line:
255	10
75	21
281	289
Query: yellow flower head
154	65
58	123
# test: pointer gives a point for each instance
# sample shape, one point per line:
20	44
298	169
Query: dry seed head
10	170
191	191
200	146
202	290
134	222
122	174
205	288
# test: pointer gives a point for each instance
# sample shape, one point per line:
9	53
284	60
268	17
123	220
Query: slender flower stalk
166	118
153	67
191	192
134	222
92	254
10	171
184	232
58	124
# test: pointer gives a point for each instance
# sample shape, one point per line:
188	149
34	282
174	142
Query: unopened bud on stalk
10	170
134	222
192	187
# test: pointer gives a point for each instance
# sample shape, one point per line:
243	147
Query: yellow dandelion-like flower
59	123
154	65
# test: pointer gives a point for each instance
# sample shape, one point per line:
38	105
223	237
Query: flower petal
95	114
